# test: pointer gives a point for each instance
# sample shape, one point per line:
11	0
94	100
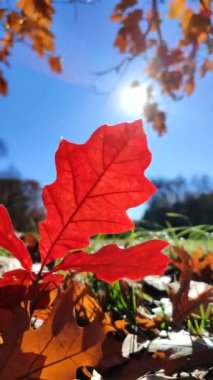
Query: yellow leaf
186	17
176	9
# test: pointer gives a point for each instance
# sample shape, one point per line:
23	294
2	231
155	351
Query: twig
117	68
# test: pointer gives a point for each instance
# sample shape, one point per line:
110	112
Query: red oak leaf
96	183
10	242
112	263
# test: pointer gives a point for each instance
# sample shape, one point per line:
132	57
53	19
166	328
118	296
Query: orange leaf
116	17
185	20
206	66
54	351
200	261
189	86
55	64
121	42
159	355
14	21
176	9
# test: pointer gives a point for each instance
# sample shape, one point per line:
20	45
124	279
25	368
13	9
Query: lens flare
133	99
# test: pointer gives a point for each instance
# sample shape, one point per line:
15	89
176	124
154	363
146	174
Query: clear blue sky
43	107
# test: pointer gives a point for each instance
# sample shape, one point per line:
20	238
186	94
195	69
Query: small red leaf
13	286
16	277
96	183
112	263
10	242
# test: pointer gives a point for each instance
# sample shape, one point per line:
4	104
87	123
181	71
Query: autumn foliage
174	63
173	39
29	22
96	183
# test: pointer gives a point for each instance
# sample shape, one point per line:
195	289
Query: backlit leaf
10	242
55	64
112	263
96	183
176	8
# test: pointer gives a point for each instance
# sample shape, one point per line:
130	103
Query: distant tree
192	200
23	202
171	63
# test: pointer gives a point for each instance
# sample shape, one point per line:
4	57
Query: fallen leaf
182	305
56	349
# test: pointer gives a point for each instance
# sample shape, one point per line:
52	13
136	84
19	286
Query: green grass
187	237
5	253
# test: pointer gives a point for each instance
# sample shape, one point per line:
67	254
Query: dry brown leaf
111	354
142	363
182	305
12	360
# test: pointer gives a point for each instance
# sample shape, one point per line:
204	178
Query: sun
133	99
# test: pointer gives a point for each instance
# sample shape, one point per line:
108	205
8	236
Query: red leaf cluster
96	183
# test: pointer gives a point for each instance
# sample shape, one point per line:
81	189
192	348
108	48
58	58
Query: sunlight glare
133	99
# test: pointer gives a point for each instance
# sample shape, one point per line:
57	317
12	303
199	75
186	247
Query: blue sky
43	107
